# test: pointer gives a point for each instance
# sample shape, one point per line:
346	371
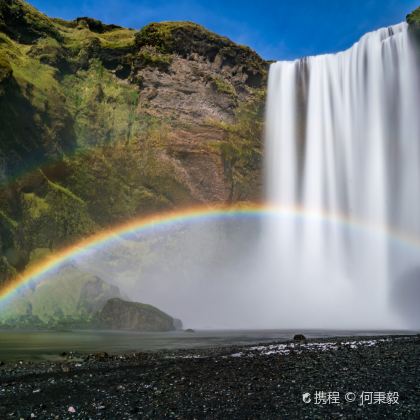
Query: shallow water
38	345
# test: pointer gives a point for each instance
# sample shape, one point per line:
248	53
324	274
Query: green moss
6	270
414	17
118	39
69	297
104	108
5	68
181	37
223	86
95	25
38	254
157	35
242	148
151	57
49	51
8	220
36	206
24	23
35	93
134	179
78	38
65	191
184	38
62	23
56	218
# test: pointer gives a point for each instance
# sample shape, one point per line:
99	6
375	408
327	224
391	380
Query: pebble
261	381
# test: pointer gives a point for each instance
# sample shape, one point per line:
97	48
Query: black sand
223	383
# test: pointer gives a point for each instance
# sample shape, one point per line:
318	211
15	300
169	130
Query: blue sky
282	29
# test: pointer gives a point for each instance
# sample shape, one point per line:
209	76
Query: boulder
299	337
118	314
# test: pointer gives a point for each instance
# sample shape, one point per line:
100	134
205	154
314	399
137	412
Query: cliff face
100	124
70	298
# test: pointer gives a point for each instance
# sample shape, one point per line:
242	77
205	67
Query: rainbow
150	224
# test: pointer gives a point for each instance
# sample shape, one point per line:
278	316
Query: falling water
343	141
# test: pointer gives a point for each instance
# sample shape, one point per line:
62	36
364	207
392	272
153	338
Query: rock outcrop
118	314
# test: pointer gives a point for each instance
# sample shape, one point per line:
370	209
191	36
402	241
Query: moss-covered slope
100	123
70	298
413	18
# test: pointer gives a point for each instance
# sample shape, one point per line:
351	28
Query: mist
218	275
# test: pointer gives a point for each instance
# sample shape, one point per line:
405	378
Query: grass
223	86
104	109
152	58
170	37
35	205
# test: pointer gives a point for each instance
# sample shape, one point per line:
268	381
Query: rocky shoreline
264	381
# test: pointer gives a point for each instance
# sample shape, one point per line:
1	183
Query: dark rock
188	39
189	330
95	25
299	337
102	355
123	315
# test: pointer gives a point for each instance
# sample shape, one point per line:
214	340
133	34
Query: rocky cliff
69	298
72	298
101	123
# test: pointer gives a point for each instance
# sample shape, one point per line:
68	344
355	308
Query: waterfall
343	151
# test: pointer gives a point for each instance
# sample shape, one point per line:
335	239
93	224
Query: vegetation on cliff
186	38
413	18
101	123
69	298
242	150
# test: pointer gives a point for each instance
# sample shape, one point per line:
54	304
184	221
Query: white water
343	137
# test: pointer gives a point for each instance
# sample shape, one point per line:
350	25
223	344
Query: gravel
264	381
